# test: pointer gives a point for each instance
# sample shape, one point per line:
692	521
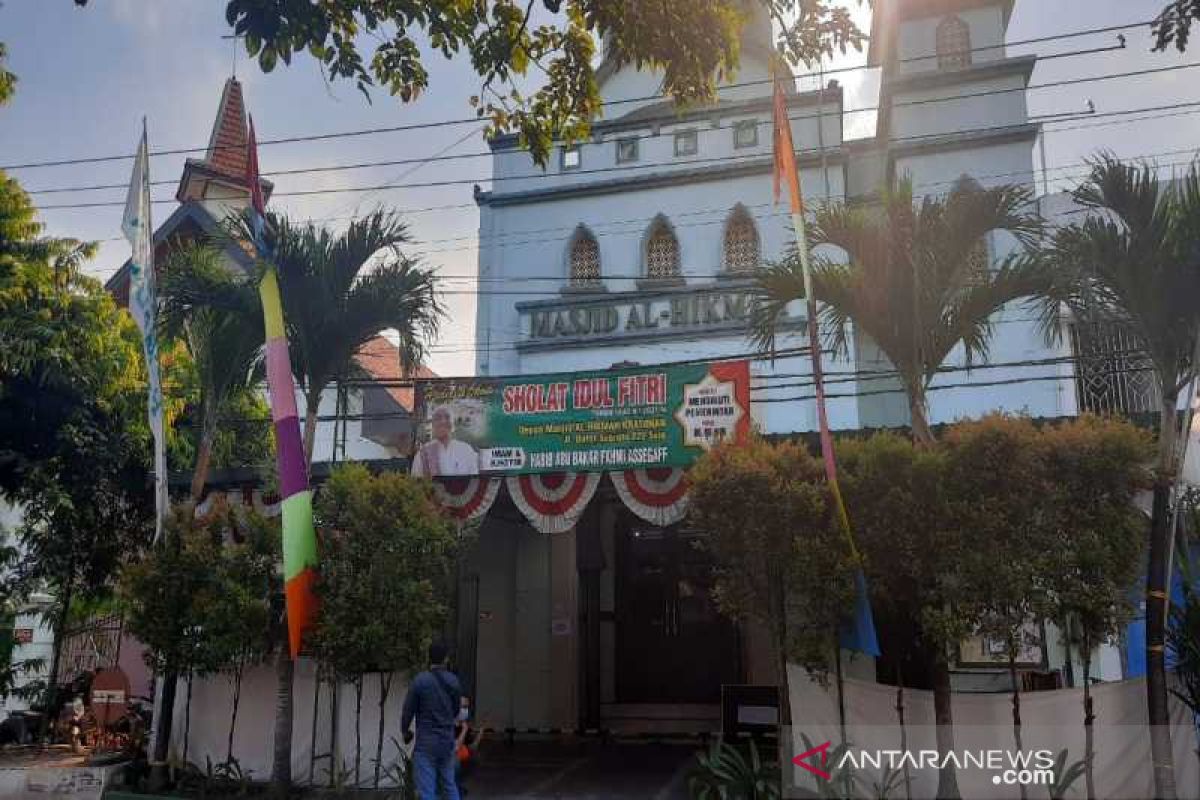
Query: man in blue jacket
433	700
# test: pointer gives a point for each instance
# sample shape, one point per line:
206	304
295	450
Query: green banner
638	417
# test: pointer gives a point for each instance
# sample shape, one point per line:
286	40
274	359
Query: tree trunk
203	459
943	716
1157	583
1089	719
1016	704
385	686
919	412
162	742
60	627
903	729
237	697
358	690
311	407
187	719
281	764
779	601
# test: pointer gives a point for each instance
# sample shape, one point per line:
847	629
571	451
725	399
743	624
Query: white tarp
212	704
1051	720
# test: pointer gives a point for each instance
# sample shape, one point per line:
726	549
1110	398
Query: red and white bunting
657	495
553	502
239	500
466	498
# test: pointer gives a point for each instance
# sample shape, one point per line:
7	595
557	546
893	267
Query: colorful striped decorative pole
860	633
299	537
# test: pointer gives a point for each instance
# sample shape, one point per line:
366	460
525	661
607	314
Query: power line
763	159
477	121
485	154
640	222
753	357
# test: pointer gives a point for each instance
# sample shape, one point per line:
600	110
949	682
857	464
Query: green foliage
1183	634
8	81
199	603
843	779
913	559
1065	775
1174	24
1093	535
694	45
399	773
74	439
1134	264
912	283
387	560
725	773
332	303
995	475
226	418
780	556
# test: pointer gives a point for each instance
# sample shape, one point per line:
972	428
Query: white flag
143	304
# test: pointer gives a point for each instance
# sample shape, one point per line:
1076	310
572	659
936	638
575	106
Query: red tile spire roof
227	144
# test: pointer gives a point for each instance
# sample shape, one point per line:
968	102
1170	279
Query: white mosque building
633	247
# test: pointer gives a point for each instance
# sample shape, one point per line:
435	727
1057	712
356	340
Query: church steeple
221	174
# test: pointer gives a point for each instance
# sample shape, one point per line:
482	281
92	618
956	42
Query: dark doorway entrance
673	646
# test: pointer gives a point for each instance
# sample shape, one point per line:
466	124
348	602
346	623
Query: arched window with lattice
661	251
741	247
584	258
953	44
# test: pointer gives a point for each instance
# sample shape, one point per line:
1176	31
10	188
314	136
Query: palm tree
916	282
225	341
340	290
1135	263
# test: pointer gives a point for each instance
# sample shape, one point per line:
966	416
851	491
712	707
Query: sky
88	76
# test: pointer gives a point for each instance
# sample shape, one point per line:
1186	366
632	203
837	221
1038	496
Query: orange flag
859	632
785	152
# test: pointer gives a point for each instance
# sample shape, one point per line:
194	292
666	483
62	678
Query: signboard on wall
639	417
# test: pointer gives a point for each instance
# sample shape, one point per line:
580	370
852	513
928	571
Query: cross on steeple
234	38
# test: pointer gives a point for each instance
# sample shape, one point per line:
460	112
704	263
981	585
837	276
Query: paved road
581	770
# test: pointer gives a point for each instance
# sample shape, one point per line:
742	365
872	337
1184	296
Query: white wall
917	39
927	111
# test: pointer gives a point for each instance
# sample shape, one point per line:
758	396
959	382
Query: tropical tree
340	290
694	44
387	547
1092	537
914	558
225	342
8	81
994	467
1174	24
1134	262
780	559
916	280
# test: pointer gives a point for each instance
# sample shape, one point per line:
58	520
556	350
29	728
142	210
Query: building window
627	150
745	133
1112	373
685	143
741	242
571	157
953	44
584	258
662	251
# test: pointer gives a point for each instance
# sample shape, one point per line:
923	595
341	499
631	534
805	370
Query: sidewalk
582	770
